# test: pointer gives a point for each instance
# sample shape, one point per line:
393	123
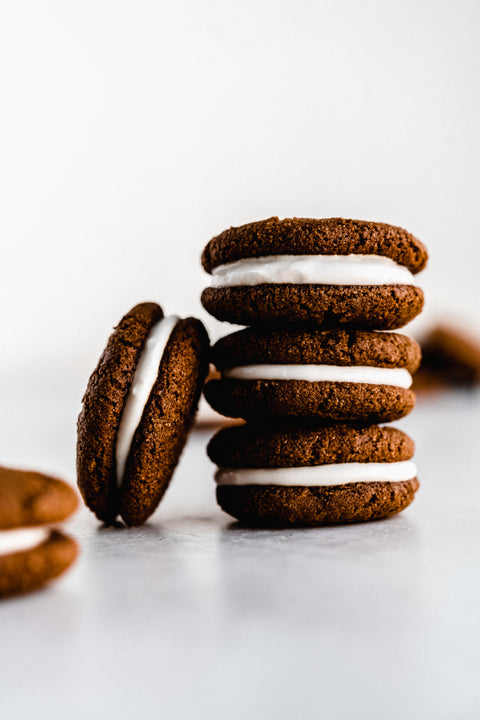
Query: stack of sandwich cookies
314	371
32	550
137	410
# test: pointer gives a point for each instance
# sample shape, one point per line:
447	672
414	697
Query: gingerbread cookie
32	552
312	475
329	272
332	375
137	410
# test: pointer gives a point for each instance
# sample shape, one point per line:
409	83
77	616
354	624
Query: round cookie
31	552
312	476
137	410
348	376
329	272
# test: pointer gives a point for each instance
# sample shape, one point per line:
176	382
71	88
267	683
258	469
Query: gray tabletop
192	616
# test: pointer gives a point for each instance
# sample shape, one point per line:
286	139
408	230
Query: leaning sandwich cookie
328	272
32	550
332	375
312	476
137	410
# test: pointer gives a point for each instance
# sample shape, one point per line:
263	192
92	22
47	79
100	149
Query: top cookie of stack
328	273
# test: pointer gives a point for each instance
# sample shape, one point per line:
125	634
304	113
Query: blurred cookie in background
451	358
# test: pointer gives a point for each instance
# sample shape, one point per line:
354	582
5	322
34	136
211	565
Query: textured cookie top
248	446
306	236
310	346
30	498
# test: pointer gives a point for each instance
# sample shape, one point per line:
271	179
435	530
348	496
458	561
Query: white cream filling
313	269
143	381
318	475
21	539
323	373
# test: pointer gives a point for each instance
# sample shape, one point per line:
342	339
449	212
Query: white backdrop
132	131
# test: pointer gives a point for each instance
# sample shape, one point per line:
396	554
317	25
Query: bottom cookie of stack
312	476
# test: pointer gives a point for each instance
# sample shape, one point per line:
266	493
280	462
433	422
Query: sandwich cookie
32	552
333	375
330	272
137	410
313	476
